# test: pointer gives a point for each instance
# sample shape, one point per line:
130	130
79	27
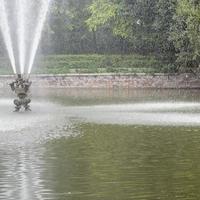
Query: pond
101	144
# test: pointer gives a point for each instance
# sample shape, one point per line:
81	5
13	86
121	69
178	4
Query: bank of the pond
165	81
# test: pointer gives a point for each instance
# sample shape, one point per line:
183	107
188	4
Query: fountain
21	25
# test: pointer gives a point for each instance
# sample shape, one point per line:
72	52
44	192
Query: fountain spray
6	34
38	32
21	7
26	18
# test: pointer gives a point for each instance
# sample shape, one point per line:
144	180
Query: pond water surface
101	144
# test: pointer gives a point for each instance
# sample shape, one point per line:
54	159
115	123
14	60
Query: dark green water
92	154
115	162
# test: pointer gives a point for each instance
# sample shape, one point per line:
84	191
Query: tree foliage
101	11
186	33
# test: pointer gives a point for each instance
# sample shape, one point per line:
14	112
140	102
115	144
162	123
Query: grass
62	64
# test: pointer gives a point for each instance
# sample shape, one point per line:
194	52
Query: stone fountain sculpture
21	87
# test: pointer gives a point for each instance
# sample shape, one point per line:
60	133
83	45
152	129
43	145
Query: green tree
69	33
130	20
185	34
164	20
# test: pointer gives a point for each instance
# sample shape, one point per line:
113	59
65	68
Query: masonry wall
110	81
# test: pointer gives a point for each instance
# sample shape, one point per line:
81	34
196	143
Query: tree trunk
95	48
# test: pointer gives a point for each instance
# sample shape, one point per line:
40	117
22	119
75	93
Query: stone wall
110	81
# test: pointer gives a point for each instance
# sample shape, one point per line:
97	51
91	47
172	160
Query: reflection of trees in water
124	162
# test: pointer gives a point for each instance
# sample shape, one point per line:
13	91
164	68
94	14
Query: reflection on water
114	149
20	176
115	162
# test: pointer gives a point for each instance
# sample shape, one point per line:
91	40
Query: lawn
62	64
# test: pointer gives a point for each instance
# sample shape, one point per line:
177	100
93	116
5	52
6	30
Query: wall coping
104	74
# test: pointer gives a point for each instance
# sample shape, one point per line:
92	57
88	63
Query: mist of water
21	23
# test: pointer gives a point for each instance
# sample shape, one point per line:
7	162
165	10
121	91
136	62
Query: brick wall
110	81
